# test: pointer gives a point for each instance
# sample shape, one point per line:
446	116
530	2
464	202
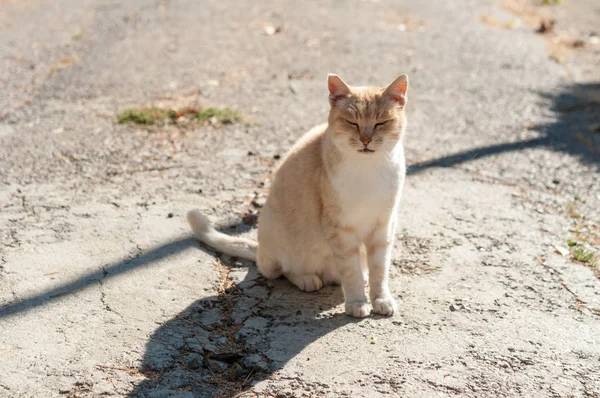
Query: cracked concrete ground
104	292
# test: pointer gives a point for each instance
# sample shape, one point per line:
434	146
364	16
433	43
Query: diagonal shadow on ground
108	271
576	131
113	270
221	345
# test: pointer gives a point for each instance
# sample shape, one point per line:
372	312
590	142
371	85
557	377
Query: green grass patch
152	116
224	115
584	256
143	116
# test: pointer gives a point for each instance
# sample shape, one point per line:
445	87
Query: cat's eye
382	123
353	124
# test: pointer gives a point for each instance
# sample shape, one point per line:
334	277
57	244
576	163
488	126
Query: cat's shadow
222	345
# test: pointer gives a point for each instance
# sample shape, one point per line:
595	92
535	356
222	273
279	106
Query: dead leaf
577	43
62	64
546	26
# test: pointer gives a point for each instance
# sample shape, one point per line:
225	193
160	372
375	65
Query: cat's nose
365	140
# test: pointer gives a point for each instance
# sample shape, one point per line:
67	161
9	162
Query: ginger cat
333	201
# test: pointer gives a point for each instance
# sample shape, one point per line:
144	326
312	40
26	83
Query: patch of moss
143	116
152	116
223	115
584	256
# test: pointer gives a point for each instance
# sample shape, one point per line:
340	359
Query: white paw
358	309
385	305
310	283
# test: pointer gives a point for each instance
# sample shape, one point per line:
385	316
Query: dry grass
154	116
236	378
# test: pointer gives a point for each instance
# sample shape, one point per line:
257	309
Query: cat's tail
230	245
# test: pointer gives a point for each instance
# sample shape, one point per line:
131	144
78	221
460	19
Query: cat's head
367	120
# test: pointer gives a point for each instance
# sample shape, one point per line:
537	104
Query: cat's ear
337	88
397	90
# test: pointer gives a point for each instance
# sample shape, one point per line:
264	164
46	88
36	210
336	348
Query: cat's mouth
366	150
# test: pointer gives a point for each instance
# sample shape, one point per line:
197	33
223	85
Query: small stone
255	362
252	326
170	215
210	317
161	359
259	202
243	308
277	157
258	292
216	366
563	251
194	345
250	279
257	323
238	275
176	379
271	30
222	340
193	361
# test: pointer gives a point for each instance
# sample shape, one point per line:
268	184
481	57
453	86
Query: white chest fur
368	187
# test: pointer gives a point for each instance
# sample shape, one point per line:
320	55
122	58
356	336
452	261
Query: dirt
104	292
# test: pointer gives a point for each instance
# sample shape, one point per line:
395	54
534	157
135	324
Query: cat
331	211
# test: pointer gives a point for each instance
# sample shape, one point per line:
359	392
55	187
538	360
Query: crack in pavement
239	375
105	305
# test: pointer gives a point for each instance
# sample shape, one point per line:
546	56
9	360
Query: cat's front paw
358	309
385	305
